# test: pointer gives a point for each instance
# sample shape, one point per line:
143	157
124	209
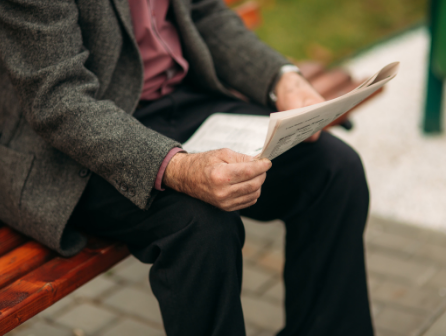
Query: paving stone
41	329
433	252
371	233
438	328
56	309
123	263
86	317
376	308
251	330
252	249
263	314
394	242
437	238
263	231
94	288
133	328
254	279
266	333
399	321
405	230
373	282
137	302
135	272
279	239
273	260
276	292
408	296
408	270
438	280
382	332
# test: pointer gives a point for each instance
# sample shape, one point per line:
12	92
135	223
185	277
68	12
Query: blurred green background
330	30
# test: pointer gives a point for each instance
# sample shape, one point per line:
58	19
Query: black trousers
318	189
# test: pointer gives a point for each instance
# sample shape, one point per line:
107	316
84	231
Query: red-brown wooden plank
341	90
22	260
10	239
54	280
250	14
329	81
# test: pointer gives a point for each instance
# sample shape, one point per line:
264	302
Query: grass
329	30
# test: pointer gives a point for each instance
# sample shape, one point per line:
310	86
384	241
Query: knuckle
225	151
216	177
220	195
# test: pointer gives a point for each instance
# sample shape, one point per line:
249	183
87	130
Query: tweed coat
70	78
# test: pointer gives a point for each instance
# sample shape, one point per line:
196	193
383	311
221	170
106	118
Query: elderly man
96	98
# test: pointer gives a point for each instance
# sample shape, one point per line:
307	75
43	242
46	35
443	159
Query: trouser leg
320	192
195	249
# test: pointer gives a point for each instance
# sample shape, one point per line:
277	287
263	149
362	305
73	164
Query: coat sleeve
241	60
41	47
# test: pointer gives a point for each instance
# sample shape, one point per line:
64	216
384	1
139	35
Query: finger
247	187
244	206
243	201
240	172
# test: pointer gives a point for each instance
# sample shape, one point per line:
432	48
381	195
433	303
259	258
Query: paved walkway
407	276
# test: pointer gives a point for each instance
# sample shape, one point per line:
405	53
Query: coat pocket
14	170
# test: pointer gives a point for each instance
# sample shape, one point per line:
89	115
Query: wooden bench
32	277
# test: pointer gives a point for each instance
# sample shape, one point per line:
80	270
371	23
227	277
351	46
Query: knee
346	178
344	165
212	228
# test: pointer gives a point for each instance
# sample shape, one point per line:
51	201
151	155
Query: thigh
104	212
301	176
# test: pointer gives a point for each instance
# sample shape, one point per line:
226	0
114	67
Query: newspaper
269	137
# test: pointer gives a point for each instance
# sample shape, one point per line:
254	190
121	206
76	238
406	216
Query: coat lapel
123	10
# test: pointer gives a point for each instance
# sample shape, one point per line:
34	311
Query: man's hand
224	178
294	91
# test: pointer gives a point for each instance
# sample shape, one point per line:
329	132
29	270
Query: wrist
285	69
173	174
294	91
288	87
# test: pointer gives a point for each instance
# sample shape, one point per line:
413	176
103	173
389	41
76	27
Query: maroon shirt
160	47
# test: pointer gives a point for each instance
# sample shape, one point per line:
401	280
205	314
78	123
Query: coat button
84	172
124	187
132	192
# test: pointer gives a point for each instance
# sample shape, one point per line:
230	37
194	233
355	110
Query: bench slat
22	260
329	81
10	239
57	278
249	12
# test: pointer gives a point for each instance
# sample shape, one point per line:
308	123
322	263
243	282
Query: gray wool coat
70	78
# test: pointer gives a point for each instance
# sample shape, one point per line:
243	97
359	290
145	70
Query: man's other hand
223	178
294	91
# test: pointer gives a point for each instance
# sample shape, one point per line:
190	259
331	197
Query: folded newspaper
268	137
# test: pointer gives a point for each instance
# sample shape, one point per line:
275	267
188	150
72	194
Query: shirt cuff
160	175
